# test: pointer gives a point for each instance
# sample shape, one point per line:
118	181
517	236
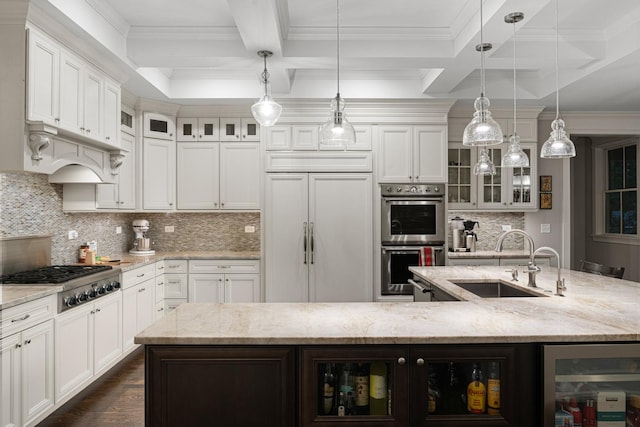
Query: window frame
601	187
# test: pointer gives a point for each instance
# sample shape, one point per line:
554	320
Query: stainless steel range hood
74	174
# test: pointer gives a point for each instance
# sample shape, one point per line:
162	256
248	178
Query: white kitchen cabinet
412	153
306	138
224	281
239	129
138	302
158	126
158	174
68	93
88	341
121	194
509	189
192	129
318	237
26	360
43	82
215	176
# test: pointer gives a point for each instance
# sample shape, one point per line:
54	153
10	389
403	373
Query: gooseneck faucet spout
560	286
532	268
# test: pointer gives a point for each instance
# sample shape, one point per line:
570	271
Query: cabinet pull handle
27	342
97	310
140	275
88	130
92	312
402	361
18	345
304	241
142	290
160	284
25	317
420	361
160	268
312	241
160	309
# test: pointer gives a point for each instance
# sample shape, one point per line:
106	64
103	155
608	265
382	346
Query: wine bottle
476	392
378	389
493	389
328	390
362	389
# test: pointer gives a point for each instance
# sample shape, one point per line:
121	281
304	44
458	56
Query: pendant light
266	111
484	166
515	157
337	131
482	130
558	146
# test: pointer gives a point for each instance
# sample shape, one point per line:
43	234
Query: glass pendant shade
558	146
515	157
482	130
484	166
337	131
266	111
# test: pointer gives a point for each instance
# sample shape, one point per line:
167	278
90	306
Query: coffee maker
142	244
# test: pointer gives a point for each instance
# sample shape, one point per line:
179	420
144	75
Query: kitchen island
289	341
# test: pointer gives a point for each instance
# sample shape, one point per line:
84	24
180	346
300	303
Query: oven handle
420	286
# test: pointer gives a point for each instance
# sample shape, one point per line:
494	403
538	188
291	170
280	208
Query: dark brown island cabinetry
341	385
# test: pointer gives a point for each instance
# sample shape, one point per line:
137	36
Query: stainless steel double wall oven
413	217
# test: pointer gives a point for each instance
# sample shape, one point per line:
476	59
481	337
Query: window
621	196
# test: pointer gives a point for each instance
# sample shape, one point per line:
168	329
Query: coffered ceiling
197	51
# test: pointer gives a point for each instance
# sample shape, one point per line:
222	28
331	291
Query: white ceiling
197	51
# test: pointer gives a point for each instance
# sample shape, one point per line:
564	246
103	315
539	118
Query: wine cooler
592	385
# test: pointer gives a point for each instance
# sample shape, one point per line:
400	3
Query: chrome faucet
532	269
560	286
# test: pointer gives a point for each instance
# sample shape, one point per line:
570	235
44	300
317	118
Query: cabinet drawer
133	277
225	266
23	316
171	304
175	286
160	286
175	266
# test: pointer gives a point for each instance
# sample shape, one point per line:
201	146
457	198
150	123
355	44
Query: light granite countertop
595	308
11	295
494	254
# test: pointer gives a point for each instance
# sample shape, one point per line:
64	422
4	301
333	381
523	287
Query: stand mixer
142	244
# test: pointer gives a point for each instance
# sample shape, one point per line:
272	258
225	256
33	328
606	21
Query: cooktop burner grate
52	274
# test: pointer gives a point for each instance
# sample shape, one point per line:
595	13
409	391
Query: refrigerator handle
304	241
312	241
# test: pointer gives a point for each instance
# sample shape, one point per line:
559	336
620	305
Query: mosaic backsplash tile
30	205
490	228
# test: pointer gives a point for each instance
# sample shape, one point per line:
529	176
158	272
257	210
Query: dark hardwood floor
116	399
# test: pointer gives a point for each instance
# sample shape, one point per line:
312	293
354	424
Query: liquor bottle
433	392
346	379
589	416
362	389
476	392
328	390
454	393
378	389
493	389
574	410
342	404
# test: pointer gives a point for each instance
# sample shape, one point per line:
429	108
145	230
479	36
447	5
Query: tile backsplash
30	205
490	228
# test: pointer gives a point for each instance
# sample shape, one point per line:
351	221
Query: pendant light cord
265	74
515	132
338	44
557	73
481	53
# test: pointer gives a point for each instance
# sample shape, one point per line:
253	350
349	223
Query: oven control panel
405	190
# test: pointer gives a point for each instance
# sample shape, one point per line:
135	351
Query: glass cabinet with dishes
507	189
422	385
592	384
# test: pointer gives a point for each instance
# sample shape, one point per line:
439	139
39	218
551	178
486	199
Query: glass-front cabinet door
344	385
461	182
523	182
592	385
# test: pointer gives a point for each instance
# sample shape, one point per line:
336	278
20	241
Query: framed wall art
545	184
545	201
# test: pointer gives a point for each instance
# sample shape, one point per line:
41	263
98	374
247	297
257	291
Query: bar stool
603	270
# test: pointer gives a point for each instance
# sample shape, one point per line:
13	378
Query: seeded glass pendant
558	146
337	131
484	166
482	130
266	111
515	157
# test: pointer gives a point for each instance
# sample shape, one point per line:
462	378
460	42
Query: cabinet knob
401	361
27	342
420	361
88	130
170	203
108	138
194	137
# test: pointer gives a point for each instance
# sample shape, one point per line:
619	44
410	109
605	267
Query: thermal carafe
470	241
457	233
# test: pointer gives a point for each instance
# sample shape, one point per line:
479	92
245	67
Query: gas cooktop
52	274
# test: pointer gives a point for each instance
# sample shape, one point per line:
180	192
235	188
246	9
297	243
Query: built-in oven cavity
395	267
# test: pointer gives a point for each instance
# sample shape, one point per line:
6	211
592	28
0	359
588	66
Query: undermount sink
495	289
